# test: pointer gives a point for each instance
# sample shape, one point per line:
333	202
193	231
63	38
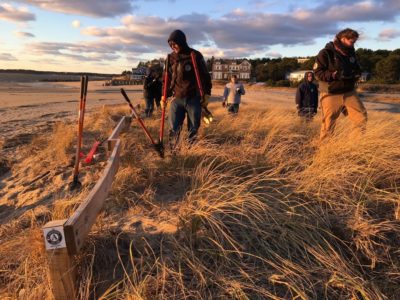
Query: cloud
22	34
241	33
7	57
236	34
94	8
91	51
388	34
273	54
76	24
10	13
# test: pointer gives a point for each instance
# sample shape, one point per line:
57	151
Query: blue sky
110	36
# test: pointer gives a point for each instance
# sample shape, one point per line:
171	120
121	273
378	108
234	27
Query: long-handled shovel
157	146
164	100
207	115
75	184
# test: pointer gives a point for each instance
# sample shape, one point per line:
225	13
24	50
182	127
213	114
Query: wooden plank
62	274
123	125
61	265
78	225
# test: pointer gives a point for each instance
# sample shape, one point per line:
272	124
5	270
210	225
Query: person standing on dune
183	87
233	92
337	71
307	97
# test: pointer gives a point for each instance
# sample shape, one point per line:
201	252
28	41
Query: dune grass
259	208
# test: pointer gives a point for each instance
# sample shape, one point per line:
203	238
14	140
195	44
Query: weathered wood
78	225
61	265
64	238
123	125
62	274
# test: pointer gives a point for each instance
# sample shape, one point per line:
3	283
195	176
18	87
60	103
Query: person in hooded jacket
157	89
183	87
307	97
149	92
337	71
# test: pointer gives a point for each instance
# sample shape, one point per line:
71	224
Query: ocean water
44	77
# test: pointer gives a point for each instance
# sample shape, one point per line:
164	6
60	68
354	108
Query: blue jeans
233	108
180	107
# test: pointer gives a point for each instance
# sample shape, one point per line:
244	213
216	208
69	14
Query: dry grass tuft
257	209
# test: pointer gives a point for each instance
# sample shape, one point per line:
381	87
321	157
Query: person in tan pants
334	104
337	71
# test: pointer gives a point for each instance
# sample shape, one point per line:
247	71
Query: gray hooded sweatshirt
233	92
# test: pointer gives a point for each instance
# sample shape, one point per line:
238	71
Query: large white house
222	69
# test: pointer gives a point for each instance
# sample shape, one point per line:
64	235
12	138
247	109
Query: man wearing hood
149	92
183	86
337	70
307	97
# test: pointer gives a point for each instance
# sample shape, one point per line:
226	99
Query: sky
110	36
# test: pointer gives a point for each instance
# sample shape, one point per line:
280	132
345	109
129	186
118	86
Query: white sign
54	237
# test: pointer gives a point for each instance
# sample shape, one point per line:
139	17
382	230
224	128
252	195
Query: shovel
157	146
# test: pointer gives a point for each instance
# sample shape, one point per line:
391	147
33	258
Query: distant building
120	80
139	73
302	60
222	69
297	76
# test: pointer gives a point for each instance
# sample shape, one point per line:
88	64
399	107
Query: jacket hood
306	74
330	46
178	37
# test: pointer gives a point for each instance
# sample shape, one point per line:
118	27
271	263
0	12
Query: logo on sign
54	237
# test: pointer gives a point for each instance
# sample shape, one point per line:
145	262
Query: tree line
383	66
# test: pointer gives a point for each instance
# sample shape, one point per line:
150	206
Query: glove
223	103
238	91
204	100
163	103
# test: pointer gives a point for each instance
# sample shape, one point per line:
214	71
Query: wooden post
64	238
77	226
61	263
122	126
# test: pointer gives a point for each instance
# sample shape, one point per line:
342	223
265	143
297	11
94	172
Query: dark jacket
183	83
344	62
150	86
307	94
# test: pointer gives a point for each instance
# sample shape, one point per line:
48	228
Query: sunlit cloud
388	34
22	34
13	14
273	54
242	33
239	33
95	8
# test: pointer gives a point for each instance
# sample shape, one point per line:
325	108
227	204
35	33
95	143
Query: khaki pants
332	106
